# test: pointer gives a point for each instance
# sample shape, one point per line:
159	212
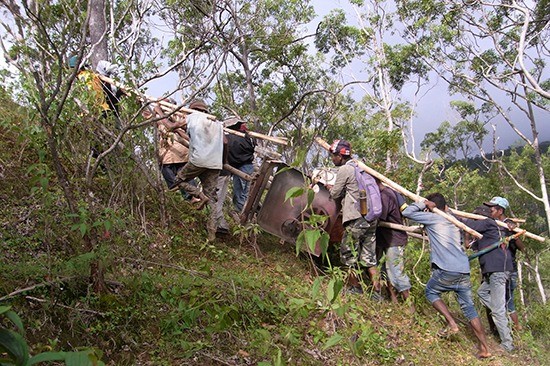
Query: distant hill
477	162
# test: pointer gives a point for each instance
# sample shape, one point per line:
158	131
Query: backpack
401	203
367	183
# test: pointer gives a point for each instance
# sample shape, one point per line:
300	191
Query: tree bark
97	28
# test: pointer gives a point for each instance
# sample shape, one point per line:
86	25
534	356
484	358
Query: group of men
196	147
449	262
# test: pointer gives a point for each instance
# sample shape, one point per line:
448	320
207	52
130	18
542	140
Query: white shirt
205	141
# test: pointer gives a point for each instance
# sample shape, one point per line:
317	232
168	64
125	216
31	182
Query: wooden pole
417	236
500	223
172	108
227	167
409	229
405	192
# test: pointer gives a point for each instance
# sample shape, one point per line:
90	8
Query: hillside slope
176	299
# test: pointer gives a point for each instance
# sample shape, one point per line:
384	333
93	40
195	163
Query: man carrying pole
450	267
358	246
391	243
205	160
496	266
498	207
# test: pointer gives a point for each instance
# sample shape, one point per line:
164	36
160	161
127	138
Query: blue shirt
446	251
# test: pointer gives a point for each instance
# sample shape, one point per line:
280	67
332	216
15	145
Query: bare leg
393	294
352	280
515	319
440	306
374	277
483	349
405	295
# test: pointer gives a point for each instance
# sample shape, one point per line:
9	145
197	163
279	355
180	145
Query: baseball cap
73	60
498	201
483	210
341	147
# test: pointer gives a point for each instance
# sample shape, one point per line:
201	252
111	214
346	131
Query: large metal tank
285	218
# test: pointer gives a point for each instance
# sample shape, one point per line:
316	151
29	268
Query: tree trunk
97	28
520	283
98	32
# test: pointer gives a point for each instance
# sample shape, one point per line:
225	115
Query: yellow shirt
93	84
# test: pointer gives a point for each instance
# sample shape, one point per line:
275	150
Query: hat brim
490	204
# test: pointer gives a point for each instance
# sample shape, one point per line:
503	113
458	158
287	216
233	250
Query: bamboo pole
227	167
409	229
500	223
495	245
405	192
417	236
180	110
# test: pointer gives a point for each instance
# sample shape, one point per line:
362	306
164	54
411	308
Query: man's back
386	237
205	141
446	251
240	150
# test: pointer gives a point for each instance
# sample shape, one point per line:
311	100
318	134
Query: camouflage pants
359	244
209	182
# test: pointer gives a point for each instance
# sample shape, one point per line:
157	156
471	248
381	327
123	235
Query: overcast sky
431	110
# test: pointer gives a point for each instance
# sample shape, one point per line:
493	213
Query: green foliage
402	63
17	349
538	322
333	33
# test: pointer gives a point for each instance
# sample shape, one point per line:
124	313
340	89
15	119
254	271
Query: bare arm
171	123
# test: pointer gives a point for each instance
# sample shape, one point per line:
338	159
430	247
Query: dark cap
483	210
199	105
341	147
232	121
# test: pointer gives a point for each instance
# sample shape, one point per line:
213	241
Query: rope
505	240
418	261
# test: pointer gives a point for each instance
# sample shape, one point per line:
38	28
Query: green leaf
324	242
316	287
47	356
332	341
14	344
333	289
83	228
82	358
310	197
311	237
4	309
294	192
300	240
330	290
15	319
